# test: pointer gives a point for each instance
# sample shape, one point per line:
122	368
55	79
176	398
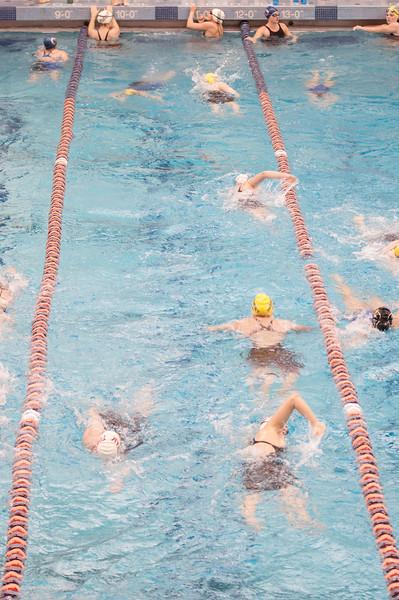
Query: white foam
6	383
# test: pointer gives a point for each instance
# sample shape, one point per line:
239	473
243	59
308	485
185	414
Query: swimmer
144	86
319	92
266	469
211	23
266	333
216	93
11	282
245	192
103	26
111	435
383	247
273	29
49	59
364	315
391	27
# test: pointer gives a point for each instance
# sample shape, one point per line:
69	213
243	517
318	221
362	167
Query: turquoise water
150	256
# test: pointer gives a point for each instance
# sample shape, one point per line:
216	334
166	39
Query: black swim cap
382	318
49	43
270	10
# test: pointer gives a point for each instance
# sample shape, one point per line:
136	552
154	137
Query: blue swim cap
49	43
270	10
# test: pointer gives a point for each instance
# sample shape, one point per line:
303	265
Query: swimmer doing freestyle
266	468
246	188
218	93
112	434
267	333
364	315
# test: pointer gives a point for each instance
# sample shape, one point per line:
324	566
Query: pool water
150	257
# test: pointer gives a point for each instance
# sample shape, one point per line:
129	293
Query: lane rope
28	430
356	424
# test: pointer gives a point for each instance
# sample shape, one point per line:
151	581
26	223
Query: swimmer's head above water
217	15
382	318
242	178
393	11
109	445
104	17
270	11
262	306
50	43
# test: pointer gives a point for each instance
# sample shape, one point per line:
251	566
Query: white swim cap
104	16
217	15
109	444
242	178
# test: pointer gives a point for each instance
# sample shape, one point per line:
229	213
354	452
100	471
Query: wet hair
382	318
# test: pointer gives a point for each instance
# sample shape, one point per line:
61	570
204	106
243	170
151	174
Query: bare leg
294	507
248	510
261	213
216	108
288	383
315	79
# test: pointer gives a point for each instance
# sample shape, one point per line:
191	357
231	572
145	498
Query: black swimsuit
279	33
100	38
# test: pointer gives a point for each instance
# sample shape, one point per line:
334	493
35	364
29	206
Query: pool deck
167	13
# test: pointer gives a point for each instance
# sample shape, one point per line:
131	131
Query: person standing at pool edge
267	335
273	29
391	27
211	24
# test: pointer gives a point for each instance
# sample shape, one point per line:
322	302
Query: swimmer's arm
395	320
203	26
231	326
259	177
288	33
385	28
94	430
260	32
63	56
114	31
284	326
296	402
91	30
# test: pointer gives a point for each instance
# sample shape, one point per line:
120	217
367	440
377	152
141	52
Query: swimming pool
150	256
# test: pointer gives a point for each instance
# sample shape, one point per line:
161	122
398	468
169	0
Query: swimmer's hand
318	429
357	28
193	8
251	39
289	181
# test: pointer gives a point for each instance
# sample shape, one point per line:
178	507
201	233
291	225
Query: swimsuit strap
275	448
266	327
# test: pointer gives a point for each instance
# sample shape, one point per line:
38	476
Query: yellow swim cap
130	92
210	78
394	9
396	251
262	305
